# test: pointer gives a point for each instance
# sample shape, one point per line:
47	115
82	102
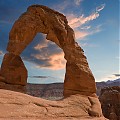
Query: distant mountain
54	91
108	83
116	82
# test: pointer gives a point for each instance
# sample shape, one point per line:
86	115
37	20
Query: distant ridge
55	90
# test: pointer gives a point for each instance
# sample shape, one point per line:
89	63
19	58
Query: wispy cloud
88	45
85	27
101	7
117	75
42	45
1	52
81	34
77	2
78	23
38	76
110	77
64	5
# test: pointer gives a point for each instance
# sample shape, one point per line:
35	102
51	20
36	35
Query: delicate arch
79	78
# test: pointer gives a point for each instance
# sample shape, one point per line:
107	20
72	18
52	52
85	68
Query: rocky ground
19	106
110	101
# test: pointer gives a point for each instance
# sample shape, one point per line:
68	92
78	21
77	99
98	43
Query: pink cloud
79	35
55	61
76	22
41	46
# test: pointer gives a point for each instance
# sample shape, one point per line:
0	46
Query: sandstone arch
78	78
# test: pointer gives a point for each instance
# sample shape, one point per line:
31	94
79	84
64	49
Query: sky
96	27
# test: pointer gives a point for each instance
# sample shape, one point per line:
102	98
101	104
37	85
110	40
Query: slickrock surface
19	106
78	78
110	101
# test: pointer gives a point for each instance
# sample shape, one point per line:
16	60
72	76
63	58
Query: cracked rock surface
19	106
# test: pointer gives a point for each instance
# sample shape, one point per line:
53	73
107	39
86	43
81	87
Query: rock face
101	85
78	78
18	106
13	70
110	101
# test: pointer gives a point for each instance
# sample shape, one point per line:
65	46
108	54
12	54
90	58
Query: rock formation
13	70
110	101
78	78
19	106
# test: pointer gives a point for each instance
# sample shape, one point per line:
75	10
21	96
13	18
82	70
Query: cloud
39	77
66	5
44	54
53	62
42	45
88	45
101	7
1	53
76	22
111	77
81	34
117	75
62	6
85	27
77	2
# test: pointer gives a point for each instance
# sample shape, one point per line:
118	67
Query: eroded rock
18	106
110	101
78	78
13	70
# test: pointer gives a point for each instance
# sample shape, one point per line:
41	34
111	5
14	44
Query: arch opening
44	61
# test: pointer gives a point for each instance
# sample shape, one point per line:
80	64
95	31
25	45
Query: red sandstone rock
79	78
18	106
110	101
13	70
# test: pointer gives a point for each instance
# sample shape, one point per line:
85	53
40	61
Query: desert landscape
79	97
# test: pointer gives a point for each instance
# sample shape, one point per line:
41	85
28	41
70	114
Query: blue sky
96	26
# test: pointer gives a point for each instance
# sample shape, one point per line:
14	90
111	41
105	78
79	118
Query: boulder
110	102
